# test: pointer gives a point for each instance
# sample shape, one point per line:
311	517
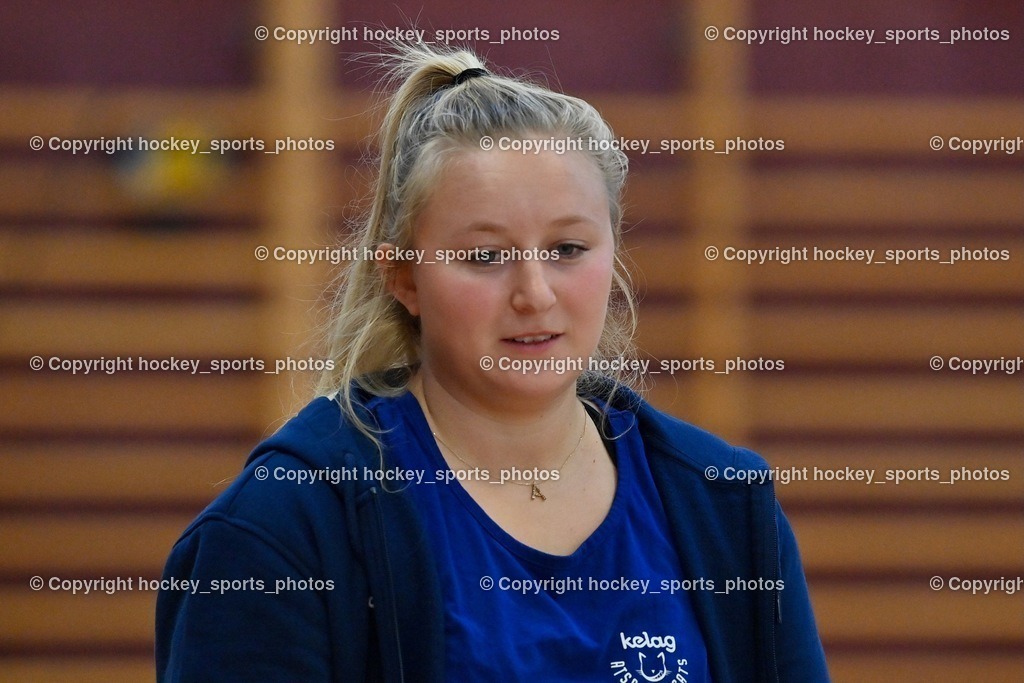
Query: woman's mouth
534	340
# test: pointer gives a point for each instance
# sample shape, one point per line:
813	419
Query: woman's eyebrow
479	226
497	228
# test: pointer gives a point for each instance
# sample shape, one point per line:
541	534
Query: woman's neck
491	437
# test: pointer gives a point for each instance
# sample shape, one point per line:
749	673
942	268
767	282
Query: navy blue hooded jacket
380	618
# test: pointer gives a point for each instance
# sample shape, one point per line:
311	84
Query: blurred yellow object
171	169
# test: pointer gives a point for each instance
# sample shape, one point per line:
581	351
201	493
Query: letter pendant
535	493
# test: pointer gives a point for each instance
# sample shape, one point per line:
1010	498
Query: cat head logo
659	669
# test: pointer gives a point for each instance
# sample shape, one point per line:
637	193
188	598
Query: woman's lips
537	341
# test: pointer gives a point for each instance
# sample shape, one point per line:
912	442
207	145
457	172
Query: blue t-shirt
513	612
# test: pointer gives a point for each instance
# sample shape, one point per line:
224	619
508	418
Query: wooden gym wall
154	255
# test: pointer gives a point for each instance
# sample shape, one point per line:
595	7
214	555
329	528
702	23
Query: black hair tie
464	76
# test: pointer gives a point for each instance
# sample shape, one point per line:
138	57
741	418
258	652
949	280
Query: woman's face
481	302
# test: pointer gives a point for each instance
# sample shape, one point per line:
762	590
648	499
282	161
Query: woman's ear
398	279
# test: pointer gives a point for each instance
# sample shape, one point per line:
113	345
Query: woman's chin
539	387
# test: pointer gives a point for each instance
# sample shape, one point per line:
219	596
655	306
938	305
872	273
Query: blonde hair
369	334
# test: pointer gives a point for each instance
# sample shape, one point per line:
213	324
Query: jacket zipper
390	581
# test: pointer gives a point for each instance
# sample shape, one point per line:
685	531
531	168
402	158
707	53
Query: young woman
469	500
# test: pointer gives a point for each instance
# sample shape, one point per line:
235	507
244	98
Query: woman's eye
568	250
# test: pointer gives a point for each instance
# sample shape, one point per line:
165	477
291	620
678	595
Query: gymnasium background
856	145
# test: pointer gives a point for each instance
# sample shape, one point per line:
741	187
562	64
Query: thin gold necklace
534	489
